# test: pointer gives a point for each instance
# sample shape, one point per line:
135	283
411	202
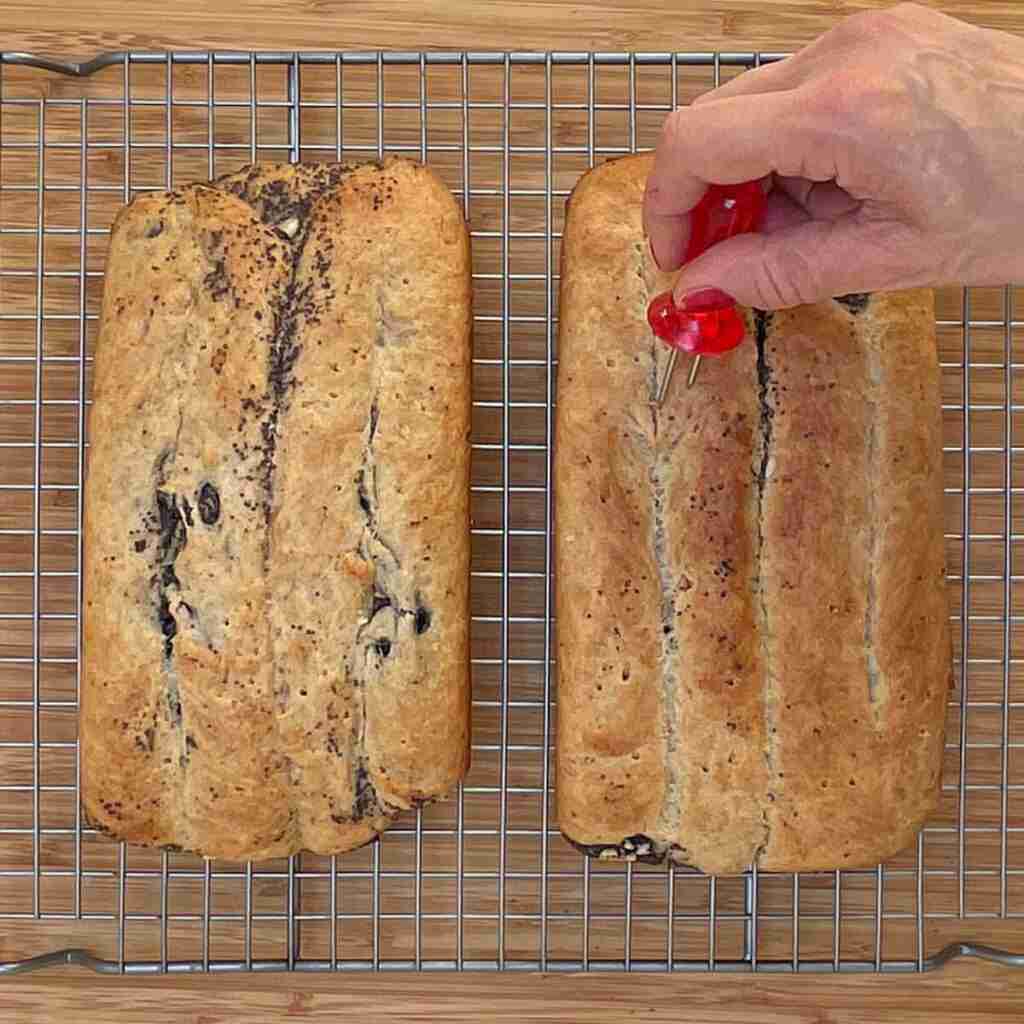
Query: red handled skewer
713	326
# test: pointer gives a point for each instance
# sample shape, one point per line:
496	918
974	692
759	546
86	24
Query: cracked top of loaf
277	519
753	638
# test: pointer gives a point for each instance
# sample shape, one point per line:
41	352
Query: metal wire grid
484	881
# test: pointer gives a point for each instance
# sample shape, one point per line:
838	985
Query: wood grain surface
80	28
965	992
969	994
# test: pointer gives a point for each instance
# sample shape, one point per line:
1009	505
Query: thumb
809	262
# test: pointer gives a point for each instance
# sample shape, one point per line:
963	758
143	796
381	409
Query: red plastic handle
723	211
709	331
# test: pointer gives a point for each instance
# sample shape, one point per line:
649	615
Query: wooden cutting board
964	993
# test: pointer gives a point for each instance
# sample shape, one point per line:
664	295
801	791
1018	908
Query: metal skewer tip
666	379
694	367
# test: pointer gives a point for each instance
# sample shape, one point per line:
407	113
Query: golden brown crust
737	582
249	358
709	509
612	751
857	621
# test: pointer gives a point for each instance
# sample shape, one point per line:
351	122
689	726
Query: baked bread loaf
753	638
277	512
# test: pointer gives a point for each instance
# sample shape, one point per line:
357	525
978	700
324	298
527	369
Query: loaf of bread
277	512
753	637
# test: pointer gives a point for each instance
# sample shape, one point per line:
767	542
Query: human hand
894	149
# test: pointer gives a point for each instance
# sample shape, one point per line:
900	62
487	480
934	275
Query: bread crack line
874	680
380	554
169	522
175	515
172	536
762	473
381	628
668	584
284	354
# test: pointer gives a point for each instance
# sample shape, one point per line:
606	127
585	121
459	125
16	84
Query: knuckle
865	25
907	10
672	132
878	26
859	97
853	27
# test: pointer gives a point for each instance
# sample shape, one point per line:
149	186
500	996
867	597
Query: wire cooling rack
484	881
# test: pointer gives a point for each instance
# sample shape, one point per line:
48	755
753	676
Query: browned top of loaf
232	350
736	642
853	567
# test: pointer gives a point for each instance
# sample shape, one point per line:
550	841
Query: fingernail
695	300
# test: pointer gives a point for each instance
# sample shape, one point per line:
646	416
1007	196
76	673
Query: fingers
809	262
726	142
